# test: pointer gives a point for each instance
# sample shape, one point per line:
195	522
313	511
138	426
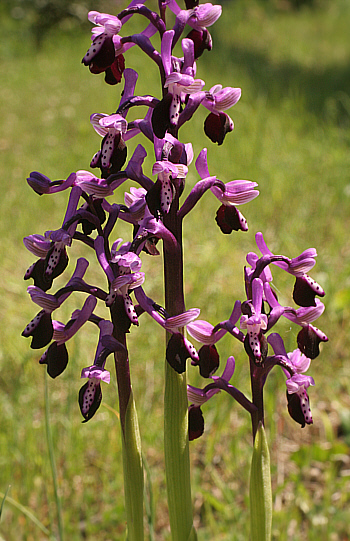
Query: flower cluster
92	217
257	315
155	211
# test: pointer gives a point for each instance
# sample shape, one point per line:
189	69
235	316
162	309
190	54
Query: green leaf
260	489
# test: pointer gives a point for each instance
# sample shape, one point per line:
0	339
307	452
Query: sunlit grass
292	135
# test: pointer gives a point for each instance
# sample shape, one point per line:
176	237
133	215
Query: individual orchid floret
293	365
129	277
111	158
198	397
90	394
52	247
160	197
255	322
217	100
101	56
179	349
204	332
56	356
43	185
179	83
305	288
236	192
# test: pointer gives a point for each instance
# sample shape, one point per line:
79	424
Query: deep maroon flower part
195	422
190	4
153	199
209	360
177	353
114	72
117	149
56	359
161	116
216	126
299	407
99	61
202	41
90	398
258	341
229	219
305	290
40	329
37	272
309	339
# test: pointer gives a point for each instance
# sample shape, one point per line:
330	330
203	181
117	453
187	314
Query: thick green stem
260	489
133	473
131	442
176	444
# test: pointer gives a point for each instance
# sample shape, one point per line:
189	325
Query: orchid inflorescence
154	212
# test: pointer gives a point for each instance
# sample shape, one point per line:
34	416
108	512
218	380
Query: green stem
133	473
131	441
260	489
176	443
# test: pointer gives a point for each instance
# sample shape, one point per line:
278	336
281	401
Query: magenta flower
101	56
90	394
255	322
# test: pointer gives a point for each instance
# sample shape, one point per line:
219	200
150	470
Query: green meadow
292	136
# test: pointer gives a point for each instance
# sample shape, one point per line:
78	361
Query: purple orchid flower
43	185
217	100
236	192
179	81
56	356
310	336
198	396
111	158
90	395
297	382
255	322
101	56
305	288
52	247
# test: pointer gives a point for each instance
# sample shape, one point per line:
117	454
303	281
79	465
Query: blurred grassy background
292	136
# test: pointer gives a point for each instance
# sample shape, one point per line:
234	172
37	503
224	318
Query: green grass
292	136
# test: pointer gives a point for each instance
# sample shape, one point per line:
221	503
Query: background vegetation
292	136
